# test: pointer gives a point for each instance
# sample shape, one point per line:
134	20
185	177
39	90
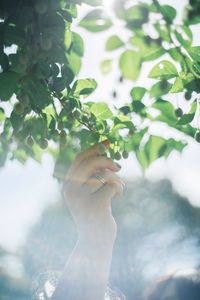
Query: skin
89	201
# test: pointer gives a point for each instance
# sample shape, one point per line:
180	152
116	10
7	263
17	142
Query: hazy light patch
25	191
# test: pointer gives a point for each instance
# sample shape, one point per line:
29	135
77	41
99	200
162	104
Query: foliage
41	96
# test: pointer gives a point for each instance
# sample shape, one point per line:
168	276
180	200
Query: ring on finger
100	178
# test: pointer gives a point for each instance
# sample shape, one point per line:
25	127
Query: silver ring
100	178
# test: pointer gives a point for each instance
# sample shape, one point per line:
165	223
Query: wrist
98	242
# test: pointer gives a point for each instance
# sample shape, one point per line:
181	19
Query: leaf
96	21
77	44
8	84
168	12
153	147
114	42
163	70
93	2
106	66
194	52
177	86
184	35
74	62
160	88
137	93
129	64
16	121
138	106
101	111
186	119
84	86
154	54
163	32
68	39
167	112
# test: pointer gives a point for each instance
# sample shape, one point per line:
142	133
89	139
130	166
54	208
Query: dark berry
179	112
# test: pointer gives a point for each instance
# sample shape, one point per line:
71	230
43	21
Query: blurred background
158	217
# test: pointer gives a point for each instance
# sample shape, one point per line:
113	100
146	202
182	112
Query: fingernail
118	165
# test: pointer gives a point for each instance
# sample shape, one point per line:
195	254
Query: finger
92	151
93	184
89	166
108	191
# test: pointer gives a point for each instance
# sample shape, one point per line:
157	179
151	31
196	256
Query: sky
27	189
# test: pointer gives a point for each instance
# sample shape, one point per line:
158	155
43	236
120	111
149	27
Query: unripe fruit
179	112
46	43
121	79
62	133
125	154
197	136
85	119
117	155
188	95
19	108
43	143
41	7
76	114
114	94
60	126
54	132
30	141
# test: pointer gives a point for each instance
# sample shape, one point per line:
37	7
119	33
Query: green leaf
68	39
74	62
137	93
138	106
167	112
168	12
106	66
163	70
176	53
101	111
84	87
16	121
186	119
130	64
160	88
194	52
96	21
153	54
93	2
8	84
153	147
136	15
177	86
184	35
114	42
77	44
163	32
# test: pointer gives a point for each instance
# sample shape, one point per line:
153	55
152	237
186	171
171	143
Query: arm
86	273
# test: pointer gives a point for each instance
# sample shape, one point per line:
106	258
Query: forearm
86	273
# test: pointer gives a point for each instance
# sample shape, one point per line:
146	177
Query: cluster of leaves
41	98
41	107
155	35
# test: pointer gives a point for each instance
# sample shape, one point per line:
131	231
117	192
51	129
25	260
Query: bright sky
27	190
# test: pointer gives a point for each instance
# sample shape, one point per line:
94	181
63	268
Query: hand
89	199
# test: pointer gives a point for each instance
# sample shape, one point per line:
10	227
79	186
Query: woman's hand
91	183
